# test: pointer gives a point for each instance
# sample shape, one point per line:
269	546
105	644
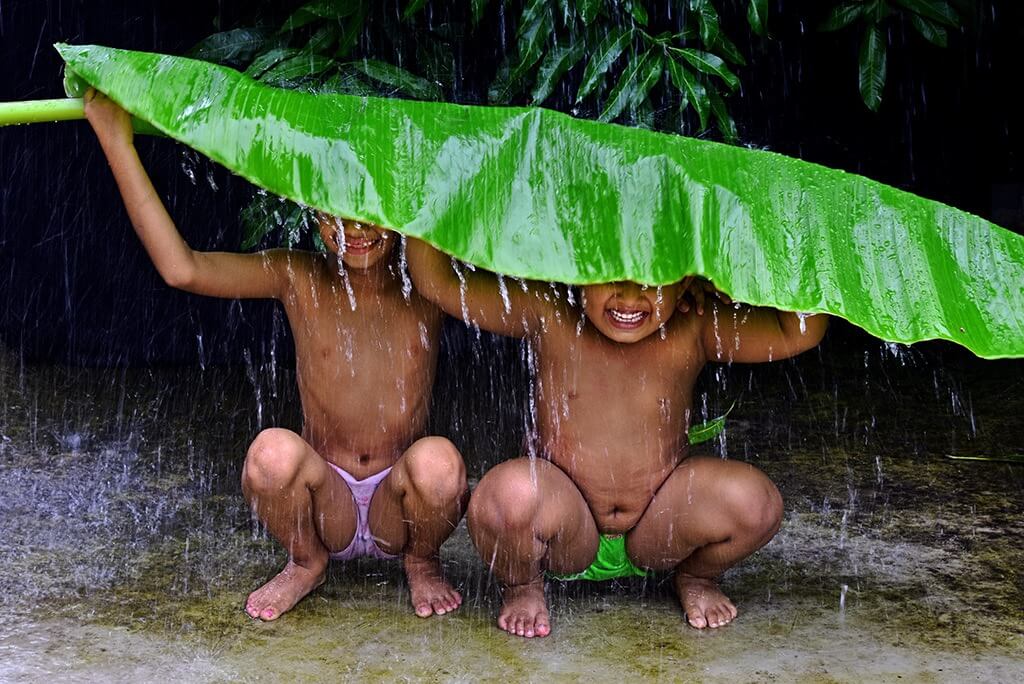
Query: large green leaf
535	193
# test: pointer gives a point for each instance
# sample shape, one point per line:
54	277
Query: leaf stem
64	109
41	111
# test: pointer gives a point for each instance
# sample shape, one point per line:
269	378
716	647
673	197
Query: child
615	489
361	479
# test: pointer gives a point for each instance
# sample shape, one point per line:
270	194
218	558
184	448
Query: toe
423	609
543	628
697	620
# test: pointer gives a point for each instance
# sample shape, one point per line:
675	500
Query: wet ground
127	551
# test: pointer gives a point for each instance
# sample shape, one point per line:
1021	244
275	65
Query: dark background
78	289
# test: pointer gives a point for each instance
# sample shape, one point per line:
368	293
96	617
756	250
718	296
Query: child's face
628	312
360	245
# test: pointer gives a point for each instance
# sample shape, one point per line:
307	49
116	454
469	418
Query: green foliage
929	18
665	65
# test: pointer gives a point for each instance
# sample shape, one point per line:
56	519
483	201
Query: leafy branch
932	19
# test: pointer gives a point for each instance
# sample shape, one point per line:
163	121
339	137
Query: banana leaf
534	193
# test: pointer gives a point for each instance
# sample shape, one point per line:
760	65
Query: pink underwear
362	492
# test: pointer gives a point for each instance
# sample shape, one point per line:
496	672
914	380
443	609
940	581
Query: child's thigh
705	500
284	478
534	499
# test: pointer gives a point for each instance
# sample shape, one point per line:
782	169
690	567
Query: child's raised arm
217	274
476	296
747	334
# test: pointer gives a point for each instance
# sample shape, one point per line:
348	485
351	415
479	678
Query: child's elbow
180	278
812	331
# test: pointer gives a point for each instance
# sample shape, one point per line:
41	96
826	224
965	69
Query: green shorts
611	562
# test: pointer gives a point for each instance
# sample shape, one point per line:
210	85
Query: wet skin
366	355
614	386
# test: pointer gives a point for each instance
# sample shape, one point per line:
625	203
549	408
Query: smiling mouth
360	245
626	319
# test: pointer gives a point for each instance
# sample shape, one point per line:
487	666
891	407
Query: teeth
628	317
359	243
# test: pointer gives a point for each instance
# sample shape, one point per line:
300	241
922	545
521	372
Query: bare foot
431	593
287	588
703	602
524	611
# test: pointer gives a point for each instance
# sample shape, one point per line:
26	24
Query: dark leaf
872	67
269	59
397	78
436	61
298	67
232	48
710	64
647	76
843	16
557	62
688	33
608	50
936	10
479	6
624	90
531	49
637	11
722	117
588	10
533	15
757	16
320	9
353	28
346	82
931	31
707	19
323	39
692	90
727	48
412	8
880	11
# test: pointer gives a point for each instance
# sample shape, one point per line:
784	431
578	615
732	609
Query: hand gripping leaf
535	193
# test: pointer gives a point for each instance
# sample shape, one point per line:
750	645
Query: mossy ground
128	551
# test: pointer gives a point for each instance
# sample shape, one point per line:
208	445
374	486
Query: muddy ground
128	552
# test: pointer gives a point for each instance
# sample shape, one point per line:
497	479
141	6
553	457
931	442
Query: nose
628	290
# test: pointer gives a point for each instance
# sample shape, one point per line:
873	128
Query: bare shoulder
685	332
295	265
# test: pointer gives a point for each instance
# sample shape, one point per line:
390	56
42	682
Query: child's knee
507	498
435	469
756	505
273	460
